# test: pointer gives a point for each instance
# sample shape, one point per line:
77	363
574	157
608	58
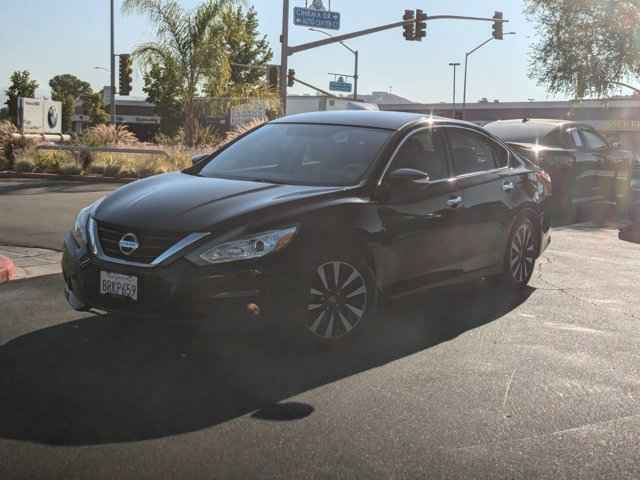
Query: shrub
112	170
242	129
168	140
204	136
70	170
147	172
86	159
53	166
7	158
96	170
127	174
104	135
24	166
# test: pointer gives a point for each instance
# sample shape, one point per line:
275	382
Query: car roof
525	127
365	118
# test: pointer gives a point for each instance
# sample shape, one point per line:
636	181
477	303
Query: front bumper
180	286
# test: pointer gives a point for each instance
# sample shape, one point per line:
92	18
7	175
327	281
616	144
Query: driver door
420	218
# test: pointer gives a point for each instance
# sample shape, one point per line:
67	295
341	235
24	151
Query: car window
424	151
576	139
472	152
555	139
303	154
592	140
501	155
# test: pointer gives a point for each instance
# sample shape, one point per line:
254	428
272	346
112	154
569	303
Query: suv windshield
300	154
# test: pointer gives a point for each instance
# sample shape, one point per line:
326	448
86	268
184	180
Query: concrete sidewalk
32	262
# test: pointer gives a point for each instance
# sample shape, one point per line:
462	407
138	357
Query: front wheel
520	256
340	300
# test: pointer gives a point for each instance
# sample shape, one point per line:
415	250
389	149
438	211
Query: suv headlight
79	232
255	246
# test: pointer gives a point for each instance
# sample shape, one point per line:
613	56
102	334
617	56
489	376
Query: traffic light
125	74
409	27
498	32
291	78
273	74
421	25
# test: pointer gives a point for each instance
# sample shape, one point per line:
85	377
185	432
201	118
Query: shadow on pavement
107	379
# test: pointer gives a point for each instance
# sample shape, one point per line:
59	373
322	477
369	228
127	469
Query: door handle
454	202
508	186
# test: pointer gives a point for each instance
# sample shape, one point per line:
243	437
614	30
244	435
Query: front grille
152	244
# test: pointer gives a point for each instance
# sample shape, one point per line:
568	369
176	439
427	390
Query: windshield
300	154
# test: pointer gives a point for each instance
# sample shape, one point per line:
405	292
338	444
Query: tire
341	300
520	254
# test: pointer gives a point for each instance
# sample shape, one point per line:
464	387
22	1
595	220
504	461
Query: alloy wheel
522	253
337	300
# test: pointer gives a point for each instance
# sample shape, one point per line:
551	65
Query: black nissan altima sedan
317	217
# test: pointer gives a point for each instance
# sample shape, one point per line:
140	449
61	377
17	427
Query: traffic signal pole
113	67
284	56
287	50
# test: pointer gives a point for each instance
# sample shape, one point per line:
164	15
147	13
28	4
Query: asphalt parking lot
471	382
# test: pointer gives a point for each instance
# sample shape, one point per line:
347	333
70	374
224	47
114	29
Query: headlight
79	232
255	246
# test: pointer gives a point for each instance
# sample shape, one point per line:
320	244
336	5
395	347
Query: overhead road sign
309	17
340	86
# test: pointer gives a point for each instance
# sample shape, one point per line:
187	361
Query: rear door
603	178
586	188
487	187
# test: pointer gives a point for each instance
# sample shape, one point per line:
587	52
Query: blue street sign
308	17
340	86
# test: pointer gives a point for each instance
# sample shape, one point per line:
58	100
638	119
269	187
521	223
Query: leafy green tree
164	89
67	89
21	86
93	107
189	41
585	45
248	55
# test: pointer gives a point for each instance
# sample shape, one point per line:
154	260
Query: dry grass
242	129
109	135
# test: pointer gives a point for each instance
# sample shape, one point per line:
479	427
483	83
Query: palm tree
191	42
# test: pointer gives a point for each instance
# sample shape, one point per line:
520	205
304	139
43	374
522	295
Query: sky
49	37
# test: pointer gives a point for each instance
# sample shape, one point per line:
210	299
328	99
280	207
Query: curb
7	269
68	178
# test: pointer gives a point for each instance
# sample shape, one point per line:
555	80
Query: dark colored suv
318	215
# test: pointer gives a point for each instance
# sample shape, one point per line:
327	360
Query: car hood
180	202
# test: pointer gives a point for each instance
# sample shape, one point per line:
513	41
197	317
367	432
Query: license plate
119	285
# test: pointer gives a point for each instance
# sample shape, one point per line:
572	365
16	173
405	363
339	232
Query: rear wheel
520	256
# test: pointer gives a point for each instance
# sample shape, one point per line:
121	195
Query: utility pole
113	66
455	65
284	56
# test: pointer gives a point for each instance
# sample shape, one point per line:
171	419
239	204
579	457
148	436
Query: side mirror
405	176
196	159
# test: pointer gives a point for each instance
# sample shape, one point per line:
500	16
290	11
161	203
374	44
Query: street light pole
113	66
355	53
466	66
455	65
